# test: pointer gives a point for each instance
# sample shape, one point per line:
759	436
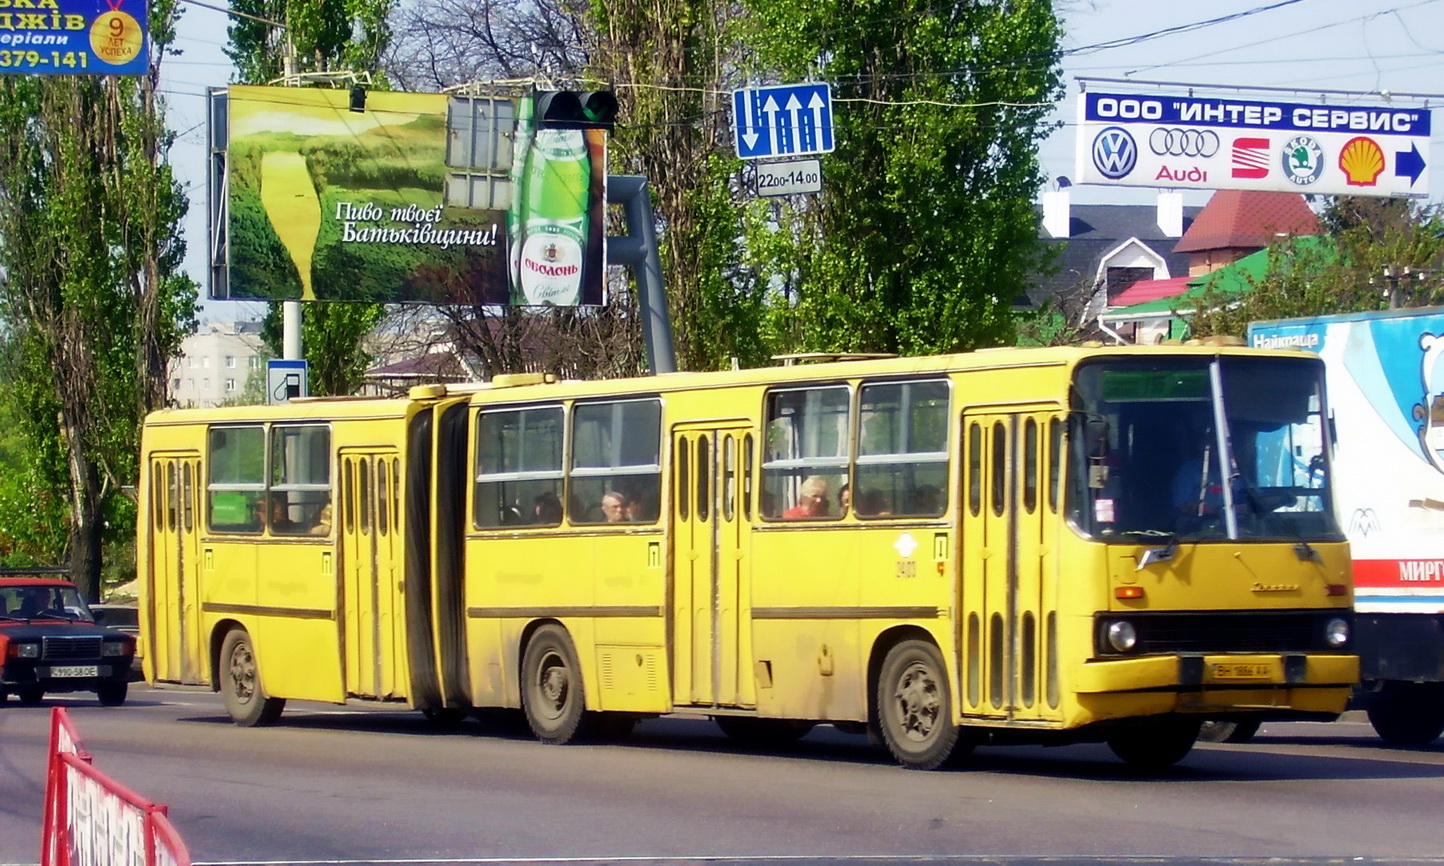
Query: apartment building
215	364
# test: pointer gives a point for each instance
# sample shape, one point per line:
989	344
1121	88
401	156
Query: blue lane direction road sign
782	120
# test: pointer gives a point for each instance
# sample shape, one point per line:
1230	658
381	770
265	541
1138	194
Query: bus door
174	639
372	613
711	594
1008	556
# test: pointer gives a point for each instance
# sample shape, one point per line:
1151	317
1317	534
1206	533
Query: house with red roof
1233	225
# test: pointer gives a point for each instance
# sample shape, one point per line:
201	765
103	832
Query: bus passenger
872	504
811	500
844	498
323	520
546	508
614	507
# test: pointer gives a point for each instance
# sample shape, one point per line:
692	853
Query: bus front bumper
1219	675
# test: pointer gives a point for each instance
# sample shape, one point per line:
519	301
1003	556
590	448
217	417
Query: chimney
1056	213
1170	214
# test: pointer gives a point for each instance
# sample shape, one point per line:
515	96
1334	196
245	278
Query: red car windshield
43	600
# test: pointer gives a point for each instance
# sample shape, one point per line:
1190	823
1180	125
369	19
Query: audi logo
1166	141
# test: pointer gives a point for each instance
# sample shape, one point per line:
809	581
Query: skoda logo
1303	160
1169	141
1114	152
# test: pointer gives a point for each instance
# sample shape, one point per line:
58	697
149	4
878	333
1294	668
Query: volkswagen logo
1114	152
1171	141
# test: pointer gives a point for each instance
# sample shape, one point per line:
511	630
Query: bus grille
59	649
1231	632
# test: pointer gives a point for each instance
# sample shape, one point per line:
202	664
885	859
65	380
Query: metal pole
290	310
638	249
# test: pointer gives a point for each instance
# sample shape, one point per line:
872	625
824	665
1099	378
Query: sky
1378	51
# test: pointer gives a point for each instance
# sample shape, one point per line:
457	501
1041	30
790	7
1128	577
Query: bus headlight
1336	633
1122	636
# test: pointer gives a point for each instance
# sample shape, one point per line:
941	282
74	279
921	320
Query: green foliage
925	231
92	301
1377	253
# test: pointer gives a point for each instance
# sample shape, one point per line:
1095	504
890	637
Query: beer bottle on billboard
515	228
554	218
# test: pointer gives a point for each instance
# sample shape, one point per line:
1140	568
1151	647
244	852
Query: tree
324	36
92	298
1375	253
925	231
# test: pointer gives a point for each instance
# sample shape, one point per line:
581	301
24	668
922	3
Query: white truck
1385	387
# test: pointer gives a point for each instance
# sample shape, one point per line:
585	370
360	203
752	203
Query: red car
50	642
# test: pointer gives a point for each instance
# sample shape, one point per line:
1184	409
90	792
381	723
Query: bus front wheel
914	710
551	692
1155	744
246	701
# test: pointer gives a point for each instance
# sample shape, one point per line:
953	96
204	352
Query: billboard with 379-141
1187	142
337	195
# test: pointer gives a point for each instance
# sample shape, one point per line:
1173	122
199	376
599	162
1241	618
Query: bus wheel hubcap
917	702
553	685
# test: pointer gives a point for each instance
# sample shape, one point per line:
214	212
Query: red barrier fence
92	820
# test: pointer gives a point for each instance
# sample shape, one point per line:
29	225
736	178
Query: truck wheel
1156	744
1408	715
914	709
551	687
112	694
246	701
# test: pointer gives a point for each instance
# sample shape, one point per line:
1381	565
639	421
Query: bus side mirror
1095	437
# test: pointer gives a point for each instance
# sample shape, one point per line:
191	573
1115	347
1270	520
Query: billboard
74	37
1185	142
336	195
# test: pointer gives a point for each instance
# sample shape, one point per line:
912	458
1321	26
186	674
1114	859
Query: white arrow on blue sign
782	120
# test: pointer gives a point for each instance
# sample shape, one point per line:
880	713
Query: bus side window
806	450
519	478
236	486
902	449
616	470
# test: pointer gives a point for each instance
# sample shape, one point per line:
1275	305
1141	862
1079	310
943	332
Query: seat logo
1114	153
1172	141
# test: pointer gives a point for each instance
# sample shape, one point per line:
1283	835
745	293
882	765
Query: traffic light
575	109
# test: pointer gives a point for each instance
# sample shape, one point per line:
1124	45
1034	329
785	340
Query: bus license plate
74	671
1242	671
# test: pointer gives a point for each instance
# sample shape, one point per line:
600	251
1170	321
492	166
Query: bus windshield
1200	449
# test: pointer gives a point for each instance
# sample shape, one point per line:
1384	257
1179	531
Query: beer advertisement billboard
1191	142
337	195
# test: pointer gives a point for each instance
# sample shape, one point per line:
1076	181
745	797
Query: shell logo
1362	161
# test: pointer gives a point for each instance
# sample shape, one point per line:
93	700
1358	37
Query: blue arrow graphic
1409	163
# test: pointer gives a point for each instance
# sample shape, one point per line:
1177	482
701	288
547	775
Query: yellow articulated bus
1015	545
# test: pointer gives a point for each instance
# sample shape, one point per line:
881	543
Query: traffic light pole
638	250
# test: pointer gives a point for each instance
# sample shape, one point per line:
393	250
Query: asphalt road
362	785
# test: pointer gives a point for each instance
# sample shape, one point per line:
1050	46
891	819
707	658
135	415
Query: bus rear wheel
1408	715
551	687
246	701
914	709
1155	744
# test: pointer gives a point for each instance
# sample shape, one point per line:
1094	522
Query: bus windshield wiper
1169	540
